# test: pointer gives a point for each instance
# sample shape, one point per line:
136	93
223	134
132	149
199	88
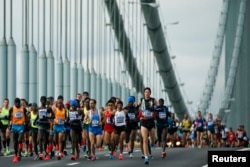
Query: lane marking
75	163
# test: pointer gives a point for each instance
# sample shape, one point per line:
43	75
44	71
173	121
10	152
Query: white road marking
75	163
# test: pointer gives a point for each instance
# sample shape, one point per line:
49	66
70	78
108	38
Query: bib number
119	120
108	121
162	115
131	116
60	121
18	114
95	122
72	116
210	123
42	113
147	114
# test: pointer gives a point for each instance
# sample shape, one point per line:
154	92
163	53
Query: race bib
60	121
131	115
42	113
162	115
18	114
108	120
95	122
210	123
240	135
72	116
120	120
147	114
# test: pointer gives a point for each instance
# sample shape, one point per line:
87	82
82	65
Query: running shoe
163	154
93	158
47	157
146	161
7	151
60	155
73	157
131	155
86	154
36	157
15	159
41	156
111	156
120	157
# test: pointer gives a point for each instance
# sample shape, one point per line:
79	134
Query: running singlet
132	112
43	114
108	126
32	119
147	108
210	124
108	117
74	118
199	123
60	116
5	112
18	117
240	134
162	118
95	119
120	118
186	124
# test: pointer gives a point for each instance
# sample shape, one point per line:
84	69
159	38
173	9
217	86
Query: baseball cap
131	99
73	103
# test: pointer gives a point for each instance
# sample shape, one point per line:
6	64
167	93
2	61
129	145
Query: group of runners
42	131
211	132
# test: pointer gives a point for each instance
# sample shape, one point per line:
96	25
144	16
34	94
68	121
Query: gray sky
192	42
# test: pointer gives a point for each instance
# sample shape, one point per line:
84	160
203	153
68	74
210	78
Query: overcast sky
191	41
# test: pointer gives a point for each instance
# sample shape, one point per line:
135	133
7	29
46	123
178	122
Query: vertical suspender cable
3	58
87	75
24	61
80	72
11	59
32	62
73	69
50	58
93	56
43	61
66	63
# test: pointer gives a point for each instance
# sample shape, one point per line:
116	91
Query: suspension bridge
116	48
